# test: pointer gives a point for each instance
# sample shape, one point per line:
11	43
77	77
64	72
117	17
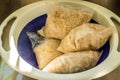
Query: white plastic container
8	41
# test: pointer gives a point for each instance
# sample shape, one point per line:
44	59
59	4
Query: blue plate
25	47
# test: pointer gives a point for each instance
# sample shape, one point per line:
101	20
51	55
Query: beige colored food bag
85	37
61	20
44	48
73	62
46	52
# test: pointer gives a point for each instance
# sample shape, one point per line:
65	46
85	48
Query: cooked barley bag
44	49
85	37
61	20
73	62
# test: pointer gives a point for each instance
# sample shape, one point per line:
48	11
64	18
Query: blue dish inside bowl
25	47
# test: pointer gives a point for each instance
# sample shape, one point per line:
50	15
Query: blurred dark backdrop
113	5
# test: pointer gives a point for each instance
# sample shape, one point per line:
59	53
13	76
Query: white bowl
9	43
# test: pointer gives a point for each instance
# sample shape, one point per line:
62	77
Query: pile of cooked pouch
68	43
